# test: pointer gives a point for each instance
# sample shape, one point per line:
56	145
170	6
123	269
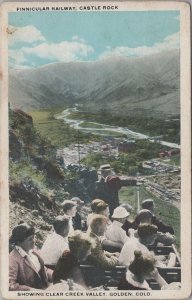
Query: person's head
102	208
98	225
23	236
144	216
95	203
142	265
148	204
80	245
128	207
69	208
61	225
147	233
120	214
105	170
78	202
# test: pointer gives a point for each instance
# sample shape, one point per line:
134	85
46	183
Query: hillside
37	182
121	85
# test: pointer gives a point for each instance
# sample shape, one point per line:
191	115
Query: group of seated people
108	241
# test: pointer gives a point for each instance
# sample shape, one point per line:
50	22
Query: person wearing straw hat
108	186
26	267
114	231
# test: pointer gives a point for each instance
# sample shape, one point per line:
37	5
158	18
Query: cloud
17	60
27	34
172	41
78	39
64	51
16	57
169	43
60	52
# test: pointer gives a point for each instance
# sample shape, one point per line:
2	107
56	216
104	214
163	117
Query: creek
104	130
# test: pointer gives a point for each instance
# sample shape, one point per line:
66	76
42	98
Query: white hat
120	213
105	167
128	207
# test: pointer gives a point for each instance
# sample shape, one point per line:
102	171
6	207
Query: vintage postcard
95	150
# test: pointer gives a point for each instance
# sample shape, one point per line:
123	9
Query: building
127	146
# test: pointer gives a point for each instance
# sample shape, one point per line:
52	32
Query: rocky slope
37	182
121	85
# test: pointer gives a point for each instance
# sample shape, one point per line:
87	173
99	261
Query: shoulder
14	255
94	241
51	238
131	241
110	226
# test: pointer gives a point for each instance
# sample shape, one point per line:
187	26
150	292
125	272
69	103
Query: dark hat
21	232
144	214
147	203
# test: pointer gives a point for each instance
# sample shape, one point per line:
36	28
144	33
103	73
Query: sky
39	38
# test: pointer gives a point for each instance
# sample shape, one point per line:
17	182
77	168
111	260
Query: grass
23	171
168	213
173	160
59	133
90	124
109	133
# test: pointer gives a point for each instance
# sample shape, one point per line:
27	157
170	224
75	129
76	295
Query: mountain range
120	85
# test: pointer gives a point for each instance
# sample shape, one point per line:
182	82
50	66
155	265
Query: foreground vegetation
168	213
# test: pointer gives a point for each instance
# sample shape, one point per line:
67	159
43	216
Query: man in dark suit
108	186
161	227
